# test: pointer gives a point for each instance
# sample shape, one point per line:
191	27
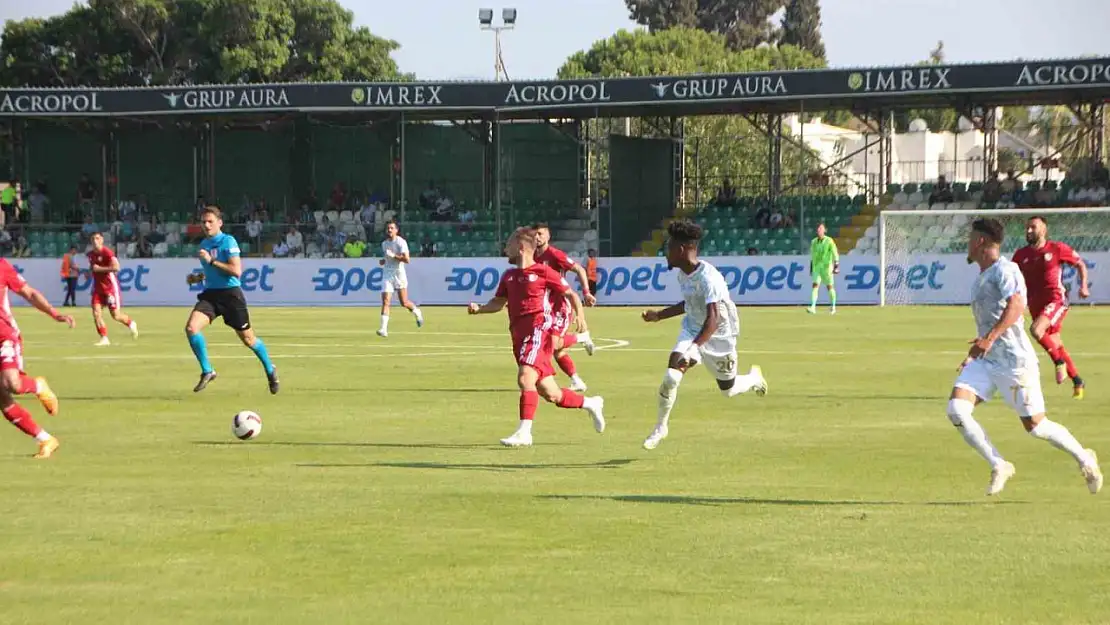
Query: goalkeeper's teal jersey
823	253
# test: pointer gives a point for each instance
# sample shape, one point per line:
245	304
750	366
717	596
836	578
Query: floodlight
485	17
508	16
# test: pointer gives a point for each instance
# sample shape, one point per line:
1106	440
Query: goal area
923	253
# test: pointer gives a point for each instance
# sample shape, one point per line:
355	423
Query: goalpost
912	241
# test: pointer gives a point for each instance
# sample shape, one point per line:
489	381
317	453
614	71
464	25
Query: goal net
923	254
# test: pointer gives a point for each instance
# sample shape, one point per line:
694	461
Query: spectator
156	231
338	197
430	197
776	219
6	244
22	250
726	195
942	192
591	271
753	252
128	209
124	231
142	207
88	229
466	220
1011	185
38	204
427	246
992	189
69	274
254	228
354	248
8	201
144	249
193	232
338	240
444	210
762	217
86	193
366	214
281	250
294	241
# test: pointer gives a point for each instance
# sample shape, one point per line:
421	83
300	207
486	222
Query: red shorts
107	294
532	346
11	353
561	319
1055	311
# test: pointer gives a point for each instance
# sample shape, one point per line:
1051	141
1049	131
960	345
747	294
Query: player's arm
835	256
1068	256
668	312
712	320
233	266
494	305
38	300
812	255
579	310
111	268
584	280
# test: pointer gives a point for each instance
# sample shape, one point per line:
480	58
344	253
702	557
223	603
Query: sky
440	39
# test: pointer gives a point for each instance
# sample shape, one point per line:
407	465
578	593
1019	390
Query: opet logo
347	281
128	277
252	279
913	277
471	280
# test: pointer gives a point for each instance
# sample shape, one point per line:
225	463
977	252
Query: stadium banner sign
752	280
1013	78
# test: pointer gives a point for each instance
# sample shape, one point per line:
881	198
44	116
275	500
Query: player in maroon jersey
562	315
103	265
1041	263
13	380
526	289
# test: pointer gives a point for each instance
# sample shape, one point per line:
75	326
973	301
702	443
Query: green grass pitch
377	492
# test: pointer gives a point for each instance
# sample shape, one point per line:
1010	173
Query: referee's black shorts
227	303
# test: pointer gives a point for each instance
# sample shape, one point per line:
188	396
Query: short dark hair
821	223
992	229
541	225
1040	219
213	210
685	231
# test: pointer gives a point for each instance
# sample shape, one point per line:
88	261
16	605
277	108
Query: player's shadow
393	391
695	500
368	445
871	397
493	467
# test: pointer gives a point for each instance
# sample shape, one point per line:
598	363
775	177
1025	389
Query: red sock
102	330
570	399
529	401
124	319
570	340
1066	357
20	418
27	385
566	364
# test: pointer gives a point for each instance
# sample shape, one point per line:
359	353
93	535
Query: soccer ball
246	425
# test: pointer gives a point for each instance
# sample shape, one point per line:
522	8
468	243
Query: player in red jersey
103	265
561	313
526	289
13	380
1041	263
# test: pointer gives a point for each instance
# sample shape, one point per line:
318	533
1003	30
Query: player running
709	329
104	267
396	252
824	262
1002	359
561	312
222	296
14	380
526	289
1040	262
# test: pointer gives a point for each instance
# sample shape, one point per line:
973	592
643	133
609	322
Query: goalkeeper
824	261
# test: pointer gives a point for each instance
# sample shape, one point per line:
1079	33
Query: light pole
508	22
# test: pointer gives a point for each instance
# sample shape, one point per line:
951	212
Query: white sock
583	337
416	313
959	412
574	379
668	394
741	384
385	322
43	435
525	426
1059	437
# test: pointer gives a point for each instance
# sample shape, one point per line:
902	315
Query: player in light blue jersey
1002	359
222	297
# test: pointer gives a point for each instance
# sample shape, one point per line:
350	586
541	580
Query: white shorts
394	282
1020	389
719	354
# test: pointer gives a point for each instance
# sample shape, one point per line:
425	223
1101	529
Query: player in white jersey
709	329
1002	359
395	251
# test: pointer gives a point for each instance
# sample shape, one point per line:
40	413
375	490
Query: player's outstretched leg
125	320
753	380
259	348
1059	437
581	338
668	394
566	398
567	366
961	405
411	307
39	388
193	331
19	417
101	327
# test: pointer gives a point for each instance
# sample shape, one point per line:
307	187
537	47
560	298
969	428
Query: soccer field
377	492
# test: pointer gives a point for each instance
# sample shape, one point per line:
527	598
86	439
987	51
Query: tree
725	146
175	42
938	120
744	23
801	27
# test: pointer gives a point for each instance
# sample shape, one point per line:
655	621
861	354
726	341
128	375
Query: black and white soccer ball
246	425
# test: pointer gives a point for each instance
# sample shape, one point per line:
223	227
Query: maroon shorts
533	346
1054	311
107	294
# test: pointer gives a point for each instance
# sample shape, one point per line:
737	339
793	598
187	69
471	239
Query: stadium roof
957	86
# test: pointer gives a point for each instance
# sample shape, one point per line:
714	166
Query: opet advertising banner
753	280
